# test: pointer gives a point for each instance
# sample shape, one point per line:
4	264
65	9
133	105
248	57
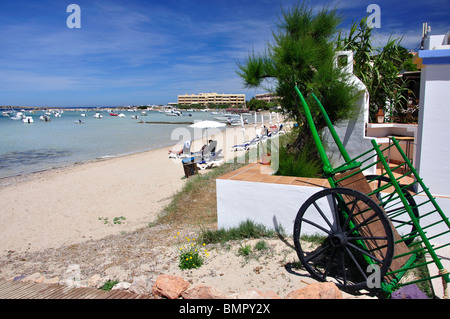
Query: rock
409	292
95	281
320	290
203	292
51	281
36	277
169	286
19	278
72	277
140	285
122	286
73	272
255	294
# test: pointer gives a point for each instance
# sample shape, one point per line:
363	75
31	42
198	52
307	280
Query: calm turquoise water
27	148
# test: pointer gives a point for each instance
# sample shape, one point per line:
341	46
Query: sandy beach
70	205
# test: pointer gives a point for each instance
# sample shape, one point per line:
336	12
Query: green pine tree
303	54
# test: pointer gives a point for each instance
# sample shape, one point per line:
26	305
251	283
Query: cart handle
336	138
327	168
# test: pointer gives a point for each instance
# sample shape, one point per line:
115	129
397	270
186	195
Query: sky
145	52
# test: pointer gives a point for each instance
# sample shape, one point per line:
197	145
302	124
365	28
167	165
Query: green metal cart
373	232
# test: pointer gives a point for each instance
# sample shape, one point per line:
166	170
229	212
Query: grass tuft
196	202
246	230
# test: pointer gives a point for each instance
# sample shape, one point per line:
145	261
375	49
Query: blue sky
147	52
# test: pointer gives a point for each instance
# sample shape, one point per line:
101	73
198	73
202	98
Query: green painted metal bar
419	180
336	138
427	243
323	155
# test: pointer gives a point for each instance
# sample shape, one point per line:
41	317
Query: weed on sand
196	203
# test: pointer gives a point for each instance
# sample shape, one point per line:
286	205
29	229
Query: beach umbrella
207	125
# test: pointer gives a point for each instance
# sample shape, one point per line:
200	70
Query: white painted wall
269	204
275	205
433	148
351	132
380	132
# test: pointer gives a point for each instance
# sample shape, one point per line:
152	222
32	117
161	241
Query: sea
32	147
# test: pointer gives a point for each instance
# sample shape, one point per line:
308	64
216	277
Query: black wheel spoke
364	223
316	225
365	253
344	272
350	215
367	238
335	211
330	262
324	217
313	255
358	266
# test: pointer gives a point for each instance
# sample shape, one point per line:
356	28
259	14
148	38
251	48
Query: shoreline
10	180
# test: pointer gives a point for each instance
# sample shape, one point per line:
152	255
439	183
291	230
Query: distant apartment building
268	97
211	98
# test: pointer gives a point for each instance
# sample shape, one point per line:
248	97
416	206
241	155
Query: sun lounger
214	159
247	145
183	153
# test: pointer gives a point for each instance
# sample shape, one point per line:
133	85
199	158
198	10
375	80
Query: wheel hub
338	239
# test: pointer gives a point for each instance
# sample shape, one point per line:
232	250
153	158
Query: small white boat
143	113
17	116
79	122
121	115
83	115
221	118
44	118
57	114
173	113
236	122
98	116
135	117
28	119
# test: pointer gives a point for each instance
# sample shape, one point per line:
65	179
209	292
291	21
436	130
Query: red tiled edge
256	172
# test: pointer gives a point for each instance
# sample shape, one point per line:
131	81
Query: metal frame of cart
375	234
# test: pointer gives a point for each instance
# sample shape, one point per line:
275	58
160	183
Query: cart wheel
351	231
396	220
